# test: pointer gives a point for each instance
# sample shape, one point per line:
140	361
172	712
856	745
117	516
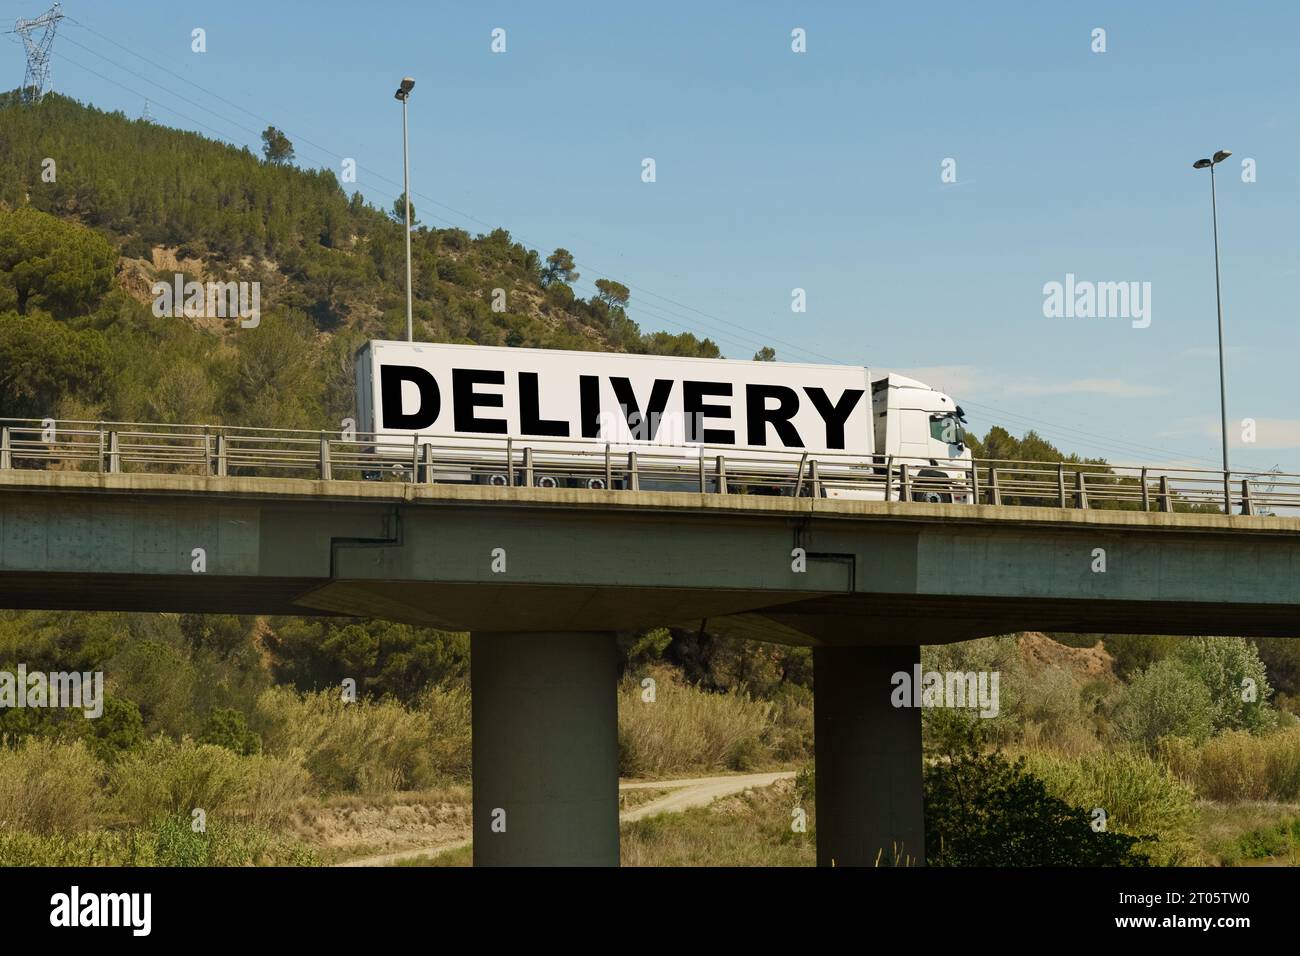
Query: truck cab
924	429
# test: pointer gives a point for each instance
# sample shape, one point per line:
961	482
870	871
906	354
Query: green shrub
945	729
227	727
1226	665
166	780
1164	700
118	730
1139	796
1136	652
983	810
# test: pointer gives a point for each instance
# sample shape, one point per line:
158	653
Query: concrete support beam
869	800
545	724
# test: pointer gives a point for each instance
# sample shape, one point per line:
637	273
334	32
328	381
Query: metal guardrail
142	447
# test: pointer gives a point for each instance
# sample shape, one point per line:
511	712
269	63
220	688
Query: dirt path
692	792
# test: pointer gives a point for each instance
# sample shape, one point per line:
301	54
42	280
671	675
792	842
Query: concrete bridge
544	578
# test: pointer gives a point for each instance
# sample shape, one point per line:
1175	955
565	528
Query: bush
118	730
1226	665
226	727
687	729
944	729
167	780
1165	700
447	710
359	747
272	788
1136	652
1281	657
48	786
983	810
1139	796
1239	766
1055	715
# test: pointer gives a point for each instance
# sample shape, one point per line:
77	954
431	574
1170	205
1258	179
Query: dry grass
749	829
686	729
48	787
1238	766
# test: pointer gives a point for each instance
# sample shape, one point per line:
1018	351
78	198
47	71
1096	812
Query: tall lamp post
404	93
1219	157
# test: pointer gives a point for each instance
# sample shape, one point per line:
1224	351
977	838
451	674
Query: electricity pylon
37	77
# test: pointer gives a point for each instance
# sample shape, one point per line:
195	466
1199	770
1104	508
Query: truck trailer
565	418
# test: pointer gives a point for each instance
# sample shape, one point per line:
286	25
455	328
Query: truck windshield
947	429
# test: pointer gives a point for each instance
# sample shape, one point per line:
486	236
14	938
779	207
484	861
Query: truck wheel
929	495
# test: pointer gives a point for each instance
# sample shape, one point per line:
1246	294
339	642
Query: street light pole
404	93
1219	157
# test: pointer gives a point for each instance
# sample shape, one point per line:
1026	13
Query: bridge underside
804	571
776	617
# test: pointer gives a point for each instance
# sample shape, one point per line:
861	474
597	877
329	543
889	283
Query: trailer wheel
930	495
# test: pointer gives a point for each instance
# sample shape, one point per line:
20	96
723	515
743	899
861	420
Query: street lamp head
1221	155
404	90
1201	164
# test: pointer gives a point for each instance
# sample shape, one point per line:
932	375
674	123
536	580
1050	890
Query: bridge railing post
633	478
974	483
426	456
609	471
6	448
324	457
207	452
816	479
995	493
1081	497
1227	492
510	462
1166	503
904	483
223	454
1060	482
1247	506
528	467
114	456
1146	492
798	478
889	477
720	473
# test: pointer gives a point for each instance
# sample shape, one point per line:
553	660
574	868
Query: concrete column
868	758
545	723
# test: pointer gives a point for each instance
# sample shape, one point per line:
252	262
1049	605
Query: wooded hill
95	207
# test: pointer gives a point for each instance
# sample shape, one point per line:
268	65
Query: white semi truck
564	416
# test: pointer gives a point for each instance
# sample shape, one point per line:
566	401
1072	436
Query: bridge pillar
545	749
868	793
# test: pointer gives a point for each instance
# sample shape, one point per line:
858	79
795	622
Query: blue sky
777	170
